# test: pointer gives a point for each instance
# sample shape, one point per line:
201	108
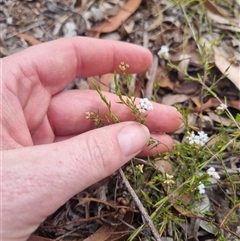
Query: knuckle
100	152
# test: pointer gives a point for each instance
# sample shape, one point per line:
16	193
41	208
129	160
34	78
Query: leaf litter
106	210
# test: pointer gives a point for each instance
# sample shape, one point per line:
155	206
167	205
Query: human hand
49	152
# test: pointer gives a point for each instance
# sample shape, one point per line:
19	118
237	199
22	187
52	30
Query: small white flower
169	180
222	107
144	105
212	173
164	52
199	139
140	167
191	138
201	188
9	20
169	176
203	137
70	29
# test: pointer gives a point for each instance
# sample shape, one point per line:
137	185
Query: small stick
140	206
228	214
29	27
152	72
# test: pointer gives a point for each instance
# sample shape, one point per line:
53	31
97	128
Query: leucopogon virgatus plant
139	110
189	173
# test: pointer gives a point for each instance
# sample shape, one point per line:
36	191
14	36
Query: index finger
55	64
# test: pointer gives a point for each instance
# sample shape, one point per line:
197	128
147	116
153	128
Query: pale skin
49	150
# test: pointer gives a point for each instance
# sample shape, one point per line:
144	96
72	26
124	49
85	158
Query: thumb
44	177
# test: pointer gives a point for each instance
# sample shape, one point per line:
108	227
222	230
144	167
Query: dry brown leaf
214	140
171	99
233	72
212	7
230	27
192	121
30	39
7	52
225	51
224	23
139	85
97	200
103	83
112	232
164	167
204	205
213	102
183	56
156	23
120	231
196	100
188	88
234	103
129	28
183	65
199	108
185	199
102	234
115	22
220	119
38	238
83	3
173	20
81	84
112	36
163	79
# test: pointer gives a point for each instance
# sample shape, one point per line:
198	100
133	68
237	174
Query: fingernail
132	138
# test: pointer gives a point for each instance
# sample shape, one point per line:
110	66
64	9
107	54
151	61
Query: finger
44	177
67	113
58	62
162	143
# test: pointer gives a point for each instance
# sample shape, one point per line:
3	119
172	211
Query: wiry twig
140	206
67	234
29	27
220	226
228	214
152	72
